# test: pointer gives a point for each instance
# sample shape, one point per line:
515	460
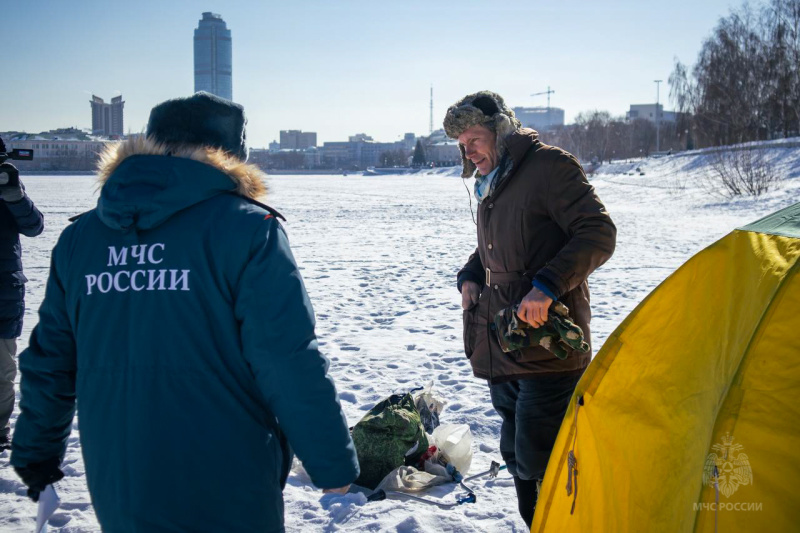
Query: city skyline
340	69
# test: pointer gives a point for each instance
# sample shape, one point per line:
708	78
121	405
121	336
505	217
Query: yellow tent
690	413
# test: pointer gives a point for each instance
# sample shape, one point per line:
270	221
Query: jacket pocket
12	286
469	330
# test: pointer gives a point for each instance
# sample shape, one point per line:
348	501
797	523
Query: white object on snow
429	406
48	503
434	402
454	442
409	479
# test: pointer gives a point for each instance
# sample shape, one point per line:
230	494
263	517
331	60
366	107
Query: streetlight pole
658	143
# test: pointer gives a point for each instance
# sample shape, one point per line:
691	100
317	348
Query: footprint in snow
348	397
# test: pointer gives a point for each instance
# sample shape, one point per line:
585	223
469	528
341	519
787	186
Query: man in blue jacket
17	215
176	318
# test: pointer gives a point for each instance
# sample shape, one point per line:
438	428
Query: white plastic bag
48	503
454	442
430	407
409	479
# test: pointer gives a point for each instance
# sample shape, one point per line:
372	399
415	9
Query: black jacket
15	218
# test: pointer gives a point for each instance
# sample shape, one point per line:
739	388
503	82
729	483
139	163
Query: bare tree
741	172
597	136
745	85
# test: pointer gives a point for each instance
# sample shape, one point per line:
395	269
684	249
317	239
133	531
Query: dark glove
38	475
10	186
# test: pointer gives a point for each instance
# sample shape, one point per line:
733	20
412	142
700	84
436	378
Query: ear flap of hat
503	126
467	166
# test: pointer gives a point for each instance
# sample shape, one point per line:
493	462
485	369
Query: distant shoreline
24	173
309	171
442	171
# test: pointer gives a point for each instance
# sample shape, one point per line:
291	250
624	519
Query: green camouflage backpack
559	334
390	435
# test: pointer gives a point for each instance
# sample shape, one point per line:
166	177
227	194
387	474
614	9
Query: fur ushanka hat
483	108
202	119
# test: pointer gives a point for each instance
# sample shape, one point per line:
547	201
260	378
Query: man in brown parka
541	231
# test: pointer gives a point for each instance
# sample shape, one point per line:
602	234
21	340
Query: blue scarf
484	185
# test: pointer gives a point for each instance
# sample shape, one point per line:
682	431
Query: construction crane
548	92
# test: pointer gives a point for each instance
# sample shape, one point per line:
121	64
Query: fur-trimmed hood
144	182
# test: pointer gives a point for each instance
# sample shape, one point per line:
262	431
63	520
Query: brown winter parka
543	221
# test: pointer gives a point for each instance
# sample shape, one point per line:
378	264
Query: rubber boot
527	494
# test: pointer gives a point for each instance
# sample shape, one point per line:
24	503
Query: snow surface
379	256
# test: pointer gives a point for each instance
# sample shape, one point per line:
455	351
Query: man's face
480	147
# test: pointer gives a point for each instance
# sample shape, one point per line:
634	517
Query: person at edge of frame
18	216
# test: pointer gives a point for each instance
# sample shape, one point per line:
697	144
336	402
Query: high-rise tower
213	57
107	118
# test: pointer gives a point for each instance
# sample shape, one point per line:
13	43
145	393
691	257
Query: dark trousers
532	411
8	371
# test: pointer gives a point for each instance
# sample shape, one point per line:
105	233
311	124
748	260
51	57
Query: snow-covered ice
379	256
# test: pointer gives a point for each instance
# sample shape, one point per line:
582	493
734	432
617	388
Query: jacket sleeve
591	235
47	387
278	341
472	271
30	221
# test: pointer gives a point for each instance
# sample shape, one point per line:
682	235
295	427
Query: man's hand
340	490
38	475
10	187
533	308
470	292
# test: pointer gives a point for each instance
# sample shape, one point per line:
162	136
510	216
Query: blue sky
343	67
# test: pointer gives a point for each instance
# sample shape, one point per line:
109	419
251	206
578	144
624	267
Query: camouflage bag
389	436
559	334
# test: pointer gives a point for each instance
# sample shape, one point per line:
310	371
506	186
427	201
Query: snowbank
379	257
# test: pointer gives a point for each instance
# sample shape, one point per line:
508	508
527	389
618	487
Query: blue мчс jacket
16	218
176	317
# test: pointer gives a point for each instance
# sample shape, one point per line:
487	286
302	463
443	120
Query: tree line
745	85
597	136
